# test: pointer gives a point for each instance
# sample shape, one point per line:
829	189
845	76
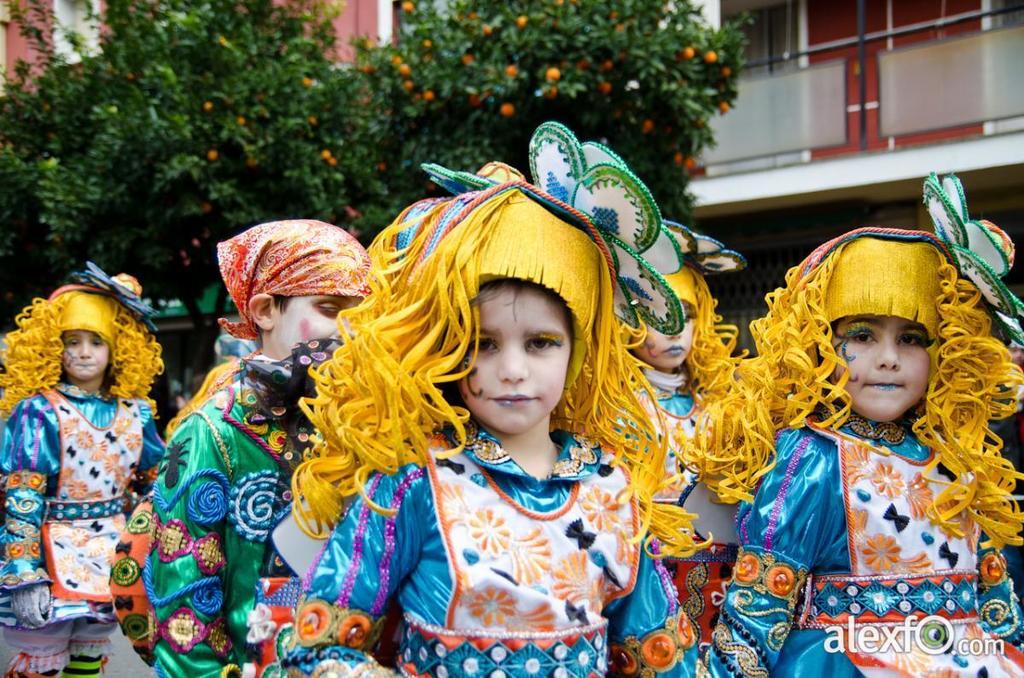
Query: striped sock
83	667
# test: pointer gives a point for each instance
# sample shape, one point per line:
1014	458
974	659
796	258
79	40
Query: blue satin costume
798	520
370	561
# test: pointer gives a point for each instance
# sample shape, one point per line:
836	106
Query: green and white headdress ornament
591	187
981	251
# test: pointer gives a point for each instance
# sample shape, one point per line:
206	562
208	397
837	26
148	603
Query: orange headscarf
294	258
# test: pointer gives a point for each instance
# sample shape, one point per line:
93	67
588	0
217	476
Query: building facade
844	108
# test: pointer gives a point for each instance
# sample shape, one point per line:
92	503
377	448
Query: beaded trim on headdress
590	187
981	251
707	256
123	287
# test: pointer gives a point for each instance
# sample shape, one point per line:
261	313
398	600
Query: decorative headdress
950	283
705	256
380	399
294	258
110	306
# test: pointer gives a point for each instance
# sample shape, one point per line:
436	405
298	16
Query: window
75	17
774	32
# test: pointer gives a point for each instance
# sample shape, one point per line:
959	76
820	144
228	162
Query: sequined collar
579	457
887	432
77	392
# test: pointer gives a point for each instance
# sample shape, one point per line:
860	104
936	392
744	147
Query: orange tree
191	121
468	83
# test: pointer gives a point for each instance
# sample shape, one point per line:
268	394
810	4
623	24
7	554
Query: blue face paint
846	356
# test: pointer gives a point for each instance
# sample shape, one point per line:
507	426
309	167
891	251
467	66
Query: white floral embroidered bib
515	569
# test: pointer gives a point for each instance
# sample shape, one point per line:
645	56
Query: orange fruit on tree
396	60
723	106
408	6
428	95
678	158
473	16
207	106
467	59
487	30
710	56
408	85
368	69
405	70
332	161
241	120
312	120
726	71
607	65
522	20
507	109
428	43
551	92
647	127
326	153
583	64
613	15
688	53
382	166
206	207
474	100
690	163
552	74
251	163
212	155
604	87
511	70
307	81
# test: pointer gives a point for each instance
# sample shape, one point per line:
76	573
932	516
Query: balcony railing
776	114
952	82
936	85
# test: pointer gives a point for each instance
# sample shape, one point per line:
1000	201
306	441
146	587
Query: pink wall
358	18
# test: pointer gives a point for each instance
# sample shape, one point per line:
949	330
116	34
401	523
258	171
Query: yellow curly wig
711	362
382	395
34	353
791	378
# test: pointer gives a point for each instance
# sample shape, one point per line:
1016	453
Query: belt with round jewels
429	650
831	600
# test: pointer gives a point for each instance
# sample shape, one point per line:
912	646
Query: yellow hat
528	242
88	311
885	277
684	284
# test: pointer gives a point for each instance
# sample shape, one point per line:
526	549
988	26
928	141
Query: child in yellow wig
80	436
860	435
471	417
687	371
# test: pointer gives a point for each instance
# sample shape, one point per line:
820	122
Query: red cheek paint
304	330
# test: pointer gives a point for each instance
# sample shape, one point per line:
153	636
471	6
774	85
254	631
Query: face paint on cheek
843	350
305	330
469	385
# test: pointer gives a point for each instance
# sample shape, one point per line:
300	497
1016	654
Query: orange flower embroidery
491	606
918	564
858	523
881	552
68	427
78	489
121	425
573	582
919	496
888	481
540	618
133	442
531	557
99	450
600	508
83	441
858	463
489	530
453	503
